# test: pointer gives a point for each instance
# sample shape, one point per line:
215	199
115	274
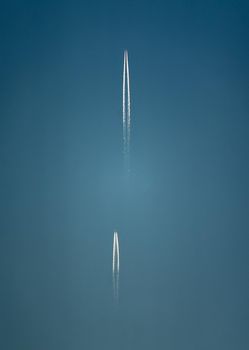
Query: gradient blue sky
183	216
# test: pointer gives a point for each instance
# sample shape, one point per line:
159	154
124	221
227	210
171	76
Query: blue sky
183	216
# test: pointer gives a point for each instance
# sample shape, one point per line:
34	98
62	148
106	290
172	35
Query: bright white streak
128	104
115	265
113	253
117	248
124	109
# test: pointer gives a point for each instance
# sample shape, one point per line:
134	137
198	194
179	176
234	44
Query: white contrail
117	248
126	110
115	253
115	265
128	104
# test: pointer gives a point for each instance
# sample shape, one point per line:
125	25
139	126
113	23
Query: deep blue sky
182	217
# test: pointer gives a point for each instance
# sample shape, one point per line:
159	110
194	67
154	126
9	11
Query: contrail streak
126	111
115	265
128	104
115	253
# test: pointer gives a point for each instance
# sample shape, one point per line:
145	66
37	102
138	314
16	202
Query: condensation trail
128	104
115	253
126	111
115	265
117	246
